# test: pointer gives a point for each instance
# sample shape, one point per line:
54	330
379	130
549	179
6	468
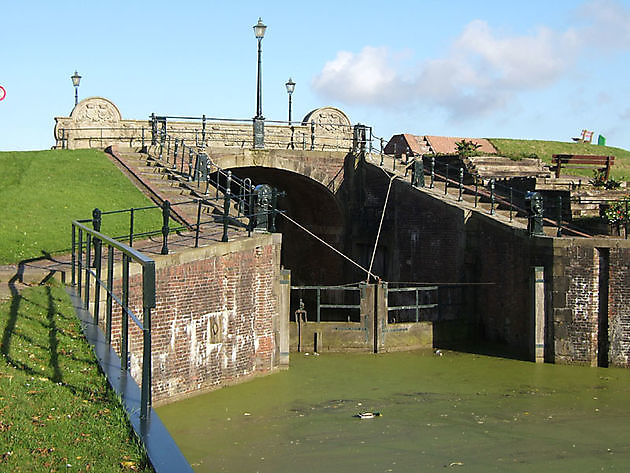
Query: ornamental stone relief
95	110
329	119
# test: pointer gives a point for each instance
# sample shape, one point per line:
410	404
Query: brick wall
619	306
216	320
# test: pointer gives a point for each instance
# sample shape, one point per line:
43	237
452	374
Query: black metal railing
495	193
345	306
423	297
87	267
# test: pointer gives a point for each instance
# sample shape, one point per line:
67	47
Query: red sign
3	93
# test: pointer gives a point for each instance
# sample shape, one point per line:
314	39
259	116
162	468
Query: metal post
461	184
88	251
74	249
446	180
96	224
203	130
312	135
110	288
166	215
492	212
153	130
198	223
80	263
432	172
142	137
124	325
274	205
417	303
226	209
97	281
319	300
190	161
131	224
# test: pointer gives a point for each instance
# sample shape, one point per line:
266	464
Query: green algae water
459	412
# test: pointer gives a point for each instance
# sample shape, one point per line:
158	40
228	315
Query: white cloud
482	71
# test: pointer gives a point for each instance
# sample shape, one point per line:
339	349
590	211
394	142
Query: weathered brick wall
575	304
216	320
619	306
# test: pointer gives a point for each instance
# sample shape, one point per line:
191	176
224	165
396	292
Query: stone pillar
367	312
284	305
380	307
538	313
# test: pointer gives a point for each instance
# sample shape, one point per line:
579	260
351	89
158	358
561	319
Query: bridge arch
314	197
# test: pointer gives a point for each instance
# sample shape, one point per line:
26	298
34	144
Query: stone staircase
161	181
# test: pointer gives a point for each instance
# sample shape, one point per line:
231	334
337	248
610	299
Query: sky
530	70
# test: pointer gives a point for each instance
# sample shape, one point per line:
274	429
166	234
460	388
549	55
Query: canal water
459	412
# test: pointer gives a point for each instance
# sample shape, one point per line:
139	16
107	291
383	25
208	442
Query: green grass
517	149
57	412
41	192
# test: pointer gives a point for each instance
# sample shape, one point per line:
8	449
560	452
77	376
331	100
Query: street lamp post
259	120
76	79
290	88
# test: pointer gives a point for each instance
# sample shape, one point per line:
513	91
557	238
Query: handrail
95	238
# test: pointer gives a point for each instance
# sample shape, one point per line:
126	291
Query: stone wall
96	122
429	239
218	318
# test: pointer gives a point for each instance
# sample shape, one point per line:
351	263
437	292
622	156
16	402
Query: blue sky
534	70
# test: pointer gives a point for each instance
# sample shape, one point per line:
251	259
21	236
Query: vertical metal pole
97	280
274	205
432	172
110	288
88	251
461	184
74	249
319	300
312	135
145	393
203	129
80	262
198	223
153	130
446	181
143	137
417	303
226	205
131	222
124	326
166	215
492	212
181	169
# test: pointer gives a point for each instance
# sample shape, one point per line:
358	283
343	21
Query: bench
583	161
587	137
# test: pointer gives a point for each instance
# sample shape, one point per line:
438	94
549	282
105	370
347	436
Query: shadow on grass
17	300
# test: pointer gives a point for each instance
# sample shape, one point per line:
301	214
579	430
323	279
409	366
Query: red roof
446	144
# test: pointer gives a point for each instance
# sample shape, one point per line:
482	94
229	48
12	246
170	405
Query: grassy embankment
57	412
41	192
517	149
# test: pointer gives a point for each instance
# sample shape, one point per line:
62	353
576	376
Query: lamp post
290	88
259	120
76	79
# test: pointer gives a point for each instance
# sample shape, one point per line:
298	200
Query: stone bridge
563	299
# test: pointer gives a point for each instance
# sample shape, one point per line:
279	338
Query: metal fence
88	246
